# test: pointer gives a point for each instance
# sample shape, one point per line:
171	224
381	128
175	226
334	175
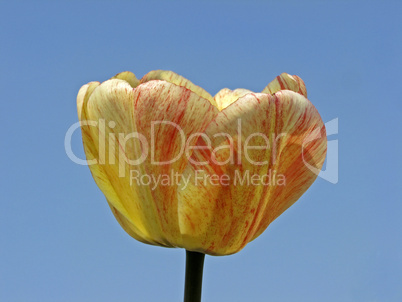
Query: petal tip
129	77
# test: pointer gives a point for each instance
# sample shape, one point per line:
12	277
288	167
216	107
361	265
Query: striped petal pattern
267	137
231	164
286	82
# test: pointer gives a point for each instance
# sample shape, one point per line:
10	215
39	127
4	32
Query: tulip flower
181	168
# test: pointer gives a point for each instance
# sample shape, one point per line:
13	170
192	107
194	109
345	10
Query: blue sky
339	242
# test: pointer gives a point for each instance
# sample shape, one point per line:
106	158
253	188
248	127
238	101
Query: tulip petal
131	229
129	77
225	97
168	115
83	95
125	119
108	110
172	77
222	219
286	82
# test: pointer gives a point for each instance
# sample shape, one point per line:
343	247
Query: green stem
193	283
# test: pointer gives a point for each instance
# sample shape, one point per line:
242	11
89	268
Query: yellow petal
221	220
125	119
129	77
172	77
108	110
130	228
286	82
178	114
83	95
225	97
